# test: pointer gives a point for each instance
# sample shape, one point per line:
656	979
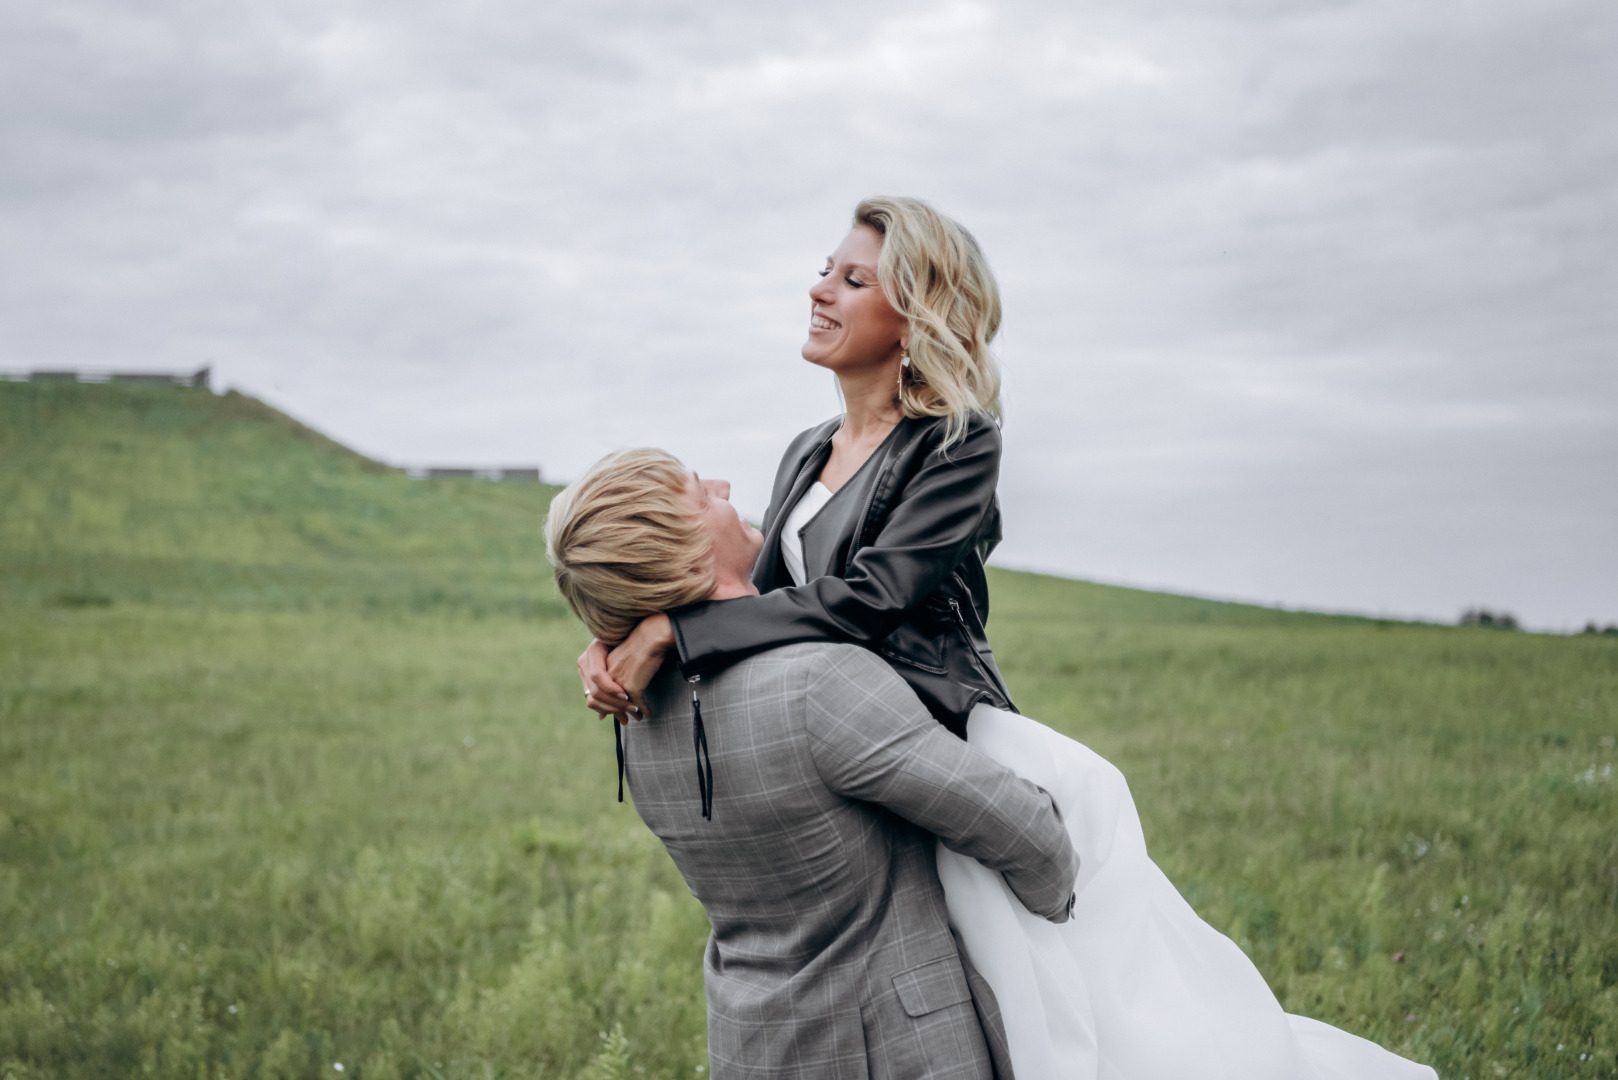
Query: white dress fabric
1134	986
812	502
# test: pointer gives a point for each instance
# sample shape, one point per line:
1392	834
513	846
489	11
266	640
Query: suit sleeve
929	532
871	740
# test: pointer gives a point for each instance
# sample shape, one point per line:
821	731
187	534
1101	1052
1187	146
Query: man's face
734	542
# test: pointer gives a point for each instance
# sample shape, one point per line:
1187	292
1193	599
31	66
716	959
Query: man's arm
872	740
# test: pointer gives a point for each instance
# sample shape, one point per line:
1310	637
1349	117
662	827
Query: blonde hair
624	543
934	274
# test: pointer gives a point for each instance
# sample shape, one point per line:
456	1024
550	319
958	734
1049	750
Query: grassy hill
177	497
293	773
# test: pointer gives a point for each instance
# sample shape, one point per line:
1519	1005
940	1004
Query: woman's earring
904	362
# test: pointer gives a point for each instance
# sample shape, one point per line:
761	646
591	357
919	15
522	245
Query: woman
894	501
877	531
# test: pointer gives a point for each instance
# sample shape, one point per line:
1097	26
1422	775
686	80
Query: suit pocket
935	985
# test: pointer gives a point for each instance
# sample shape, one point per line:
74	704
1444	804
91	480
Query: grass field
293	773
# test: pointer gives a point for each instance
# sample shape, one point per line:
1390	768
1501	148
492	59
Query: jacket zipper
988	669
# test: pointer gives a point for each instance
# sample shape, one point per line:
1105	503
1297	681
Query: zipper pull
618	745
699	744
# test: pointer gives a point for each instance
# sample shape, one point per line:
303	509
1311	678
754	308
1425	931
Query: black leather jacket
908	580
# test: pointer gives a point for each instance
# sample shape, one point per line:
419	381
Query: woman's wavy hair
934	274
624	544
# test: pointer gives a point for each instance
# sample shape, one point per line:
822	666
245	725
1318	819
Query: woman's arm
926	536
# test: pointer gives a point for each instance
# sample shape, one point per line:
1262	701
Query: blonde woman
878	527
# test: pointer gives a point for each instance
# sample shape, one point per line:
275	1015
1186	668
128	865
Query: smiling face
734	543
851	324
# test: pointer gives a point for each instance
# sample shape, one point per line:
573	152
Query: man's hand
615	681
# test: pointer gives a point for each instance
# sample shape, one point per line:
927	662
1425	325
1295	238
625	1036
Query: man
806	824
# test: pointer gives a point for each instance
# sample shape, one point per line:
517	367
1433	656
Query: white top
816	497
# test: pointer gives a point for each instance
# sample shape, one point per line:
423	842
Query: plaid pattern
831	953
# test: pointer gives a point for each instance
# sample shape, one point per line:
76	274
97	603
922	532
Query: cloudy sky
1306	302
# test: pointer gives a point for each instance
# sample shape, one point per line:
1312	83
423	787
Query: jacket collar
769	572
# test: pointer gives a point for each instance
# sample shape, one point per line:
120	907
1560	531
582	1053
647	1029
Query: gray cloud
1306	302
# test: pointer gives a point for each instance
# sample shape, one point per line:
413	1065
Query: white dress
1134	986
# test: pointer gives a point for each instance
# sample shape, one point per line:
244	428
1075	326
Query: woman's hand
634	663
601	693
615	681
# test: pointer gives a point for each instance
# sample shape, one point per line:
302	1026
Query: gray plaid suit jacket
831	953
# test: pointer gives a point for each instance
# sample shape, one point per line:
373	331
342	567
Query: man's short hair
624	544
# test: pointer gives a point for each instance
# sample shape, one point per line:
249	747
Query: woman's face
851	324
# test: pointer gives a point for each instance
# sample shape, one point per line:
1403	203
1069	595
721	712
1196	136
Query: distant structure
1494	620
528	474
199	378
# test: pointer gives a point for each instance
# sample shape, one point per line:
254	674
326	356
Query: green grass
293	771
